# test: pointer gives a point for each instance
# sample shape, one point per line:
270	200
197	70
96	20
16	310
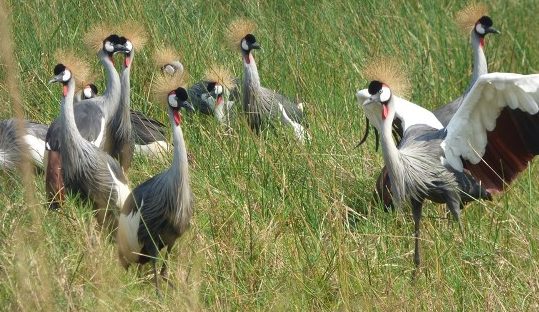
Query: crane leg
157	290
416	213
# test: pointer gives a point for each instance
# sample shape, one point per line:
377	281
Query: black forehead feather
59	68
250	39
374	87
114	39
211	86
485	21
181	94
93	87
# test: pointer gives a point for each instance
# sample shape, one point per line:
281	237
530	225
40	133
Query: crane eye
380	91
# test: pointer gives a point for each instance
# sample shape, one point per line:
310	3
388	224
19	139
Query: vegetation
277	225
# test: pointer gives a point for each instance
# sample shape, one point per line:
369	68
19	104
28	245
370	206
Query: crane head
114	44
216	91
61	74
380	93
89	91
484	26
176	100
249	43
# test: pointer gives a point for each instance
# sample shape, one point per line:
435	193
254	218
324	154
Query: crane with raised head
448	165
91	116
472	19
159	210
90	170
122	136
259	103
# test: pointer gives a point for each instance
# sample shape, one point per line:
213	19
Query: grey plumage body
11	147
159	210
259	103
88	169
147	130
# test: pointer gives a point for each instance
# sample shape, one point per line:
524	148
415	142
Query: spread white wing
467	130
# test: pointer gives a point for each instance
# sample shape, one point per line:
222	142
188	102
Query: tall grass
278	226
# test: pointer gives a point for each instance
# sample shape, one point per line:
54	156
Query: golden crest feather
78	67
134	32
468	17
96	34
164	84
391	73
164	56
237	30
220	75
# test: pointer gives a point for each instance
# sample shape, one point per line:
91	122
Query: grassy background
278	226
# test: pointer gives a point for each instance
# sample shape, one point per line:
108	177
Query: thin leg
155	278
416	212
164	268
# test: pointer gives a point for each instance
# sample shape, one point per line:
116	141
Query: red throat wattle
177	117
219	99
247	58
127	61
385	111
482	42
65	90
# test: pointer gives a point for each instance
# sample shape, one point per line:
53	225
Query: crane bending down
260	104
159	210
430	163
473	19
216	94
99	177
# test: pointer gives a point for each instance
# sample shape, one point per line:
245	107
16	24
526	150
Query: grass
277	226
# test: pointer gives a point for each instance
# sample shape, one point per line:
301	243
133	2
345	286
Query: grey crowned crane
260	104
122	135
474	20
96	174
88	91
215	94
464	160
12	149
159	210
90	116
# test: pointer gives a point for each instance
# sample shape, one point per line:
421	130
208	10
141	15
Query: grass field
277	226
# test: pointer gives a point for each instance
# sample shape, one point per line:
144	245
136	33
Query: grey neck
122	120
391	156
71	138
113	89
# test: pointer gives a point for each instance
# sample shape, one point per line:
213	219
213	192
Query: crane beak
255	45
492	30
56	78
368	101
188	106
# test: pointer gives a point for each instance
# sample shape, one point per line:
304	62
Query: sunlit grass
279	226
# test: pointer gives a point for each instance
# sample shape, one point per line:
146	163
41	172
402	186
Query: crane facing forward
159	210
472	19
259	103
96	175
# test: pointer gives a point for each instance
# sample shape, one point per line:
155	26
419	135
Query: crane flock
467	150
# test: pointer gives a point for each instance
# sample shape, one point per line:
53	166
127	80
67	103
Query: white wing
467	130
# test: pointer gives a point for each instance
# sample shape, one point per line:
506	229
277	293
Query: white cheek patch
87	92
218	89
109	47
66	76
129	45
244	45
385	95
169	69
172	100
480	29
